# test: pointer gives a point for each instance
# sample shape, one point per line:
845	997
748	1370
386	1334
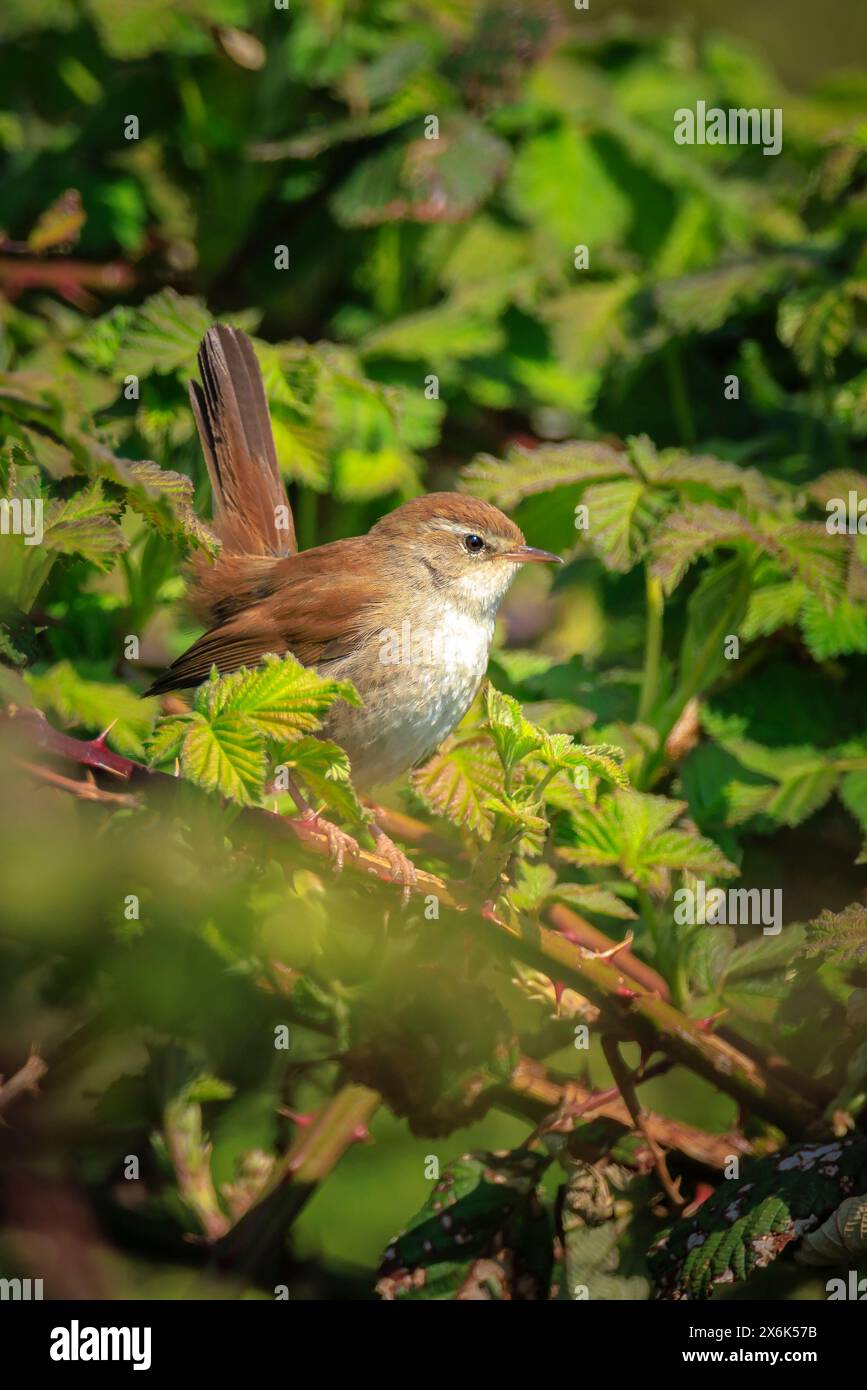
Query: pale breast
416	684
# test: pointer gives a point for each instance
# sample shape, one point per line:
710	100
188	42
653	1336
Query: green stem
652	645
692	681
342	1121
680	405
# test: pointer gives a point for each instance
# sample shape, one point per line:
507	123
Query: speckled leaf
483	1234
750	1220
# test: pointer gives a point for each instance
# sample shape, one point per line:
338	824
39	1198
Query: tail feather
252	515
251	512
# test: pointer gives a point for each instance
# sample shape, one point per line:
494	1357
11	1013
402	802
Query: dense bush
220	1017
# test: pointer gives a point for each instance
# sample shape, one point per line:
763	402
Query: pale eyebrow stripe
458	527
463	528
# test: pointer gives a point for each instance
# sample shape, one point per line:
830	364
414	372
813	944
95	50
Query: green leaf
715	610
750	1220
589	897
224	755
789	783
561	182
85	525
816	323
204	1088
685	536
765	953
165	334
840	935
853	793
484	1233
533	886
837	632
221	742
526	472
814	557
280	699
636	832
589	327
704	473
704	301
423	180
457	329
94	705
458	781
515	825
771	607
559	752
514	736
325	769
591	1237
166	741
614	531
164	497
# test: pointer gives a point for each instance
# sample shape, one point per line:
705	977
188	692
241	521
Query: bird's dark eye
474	544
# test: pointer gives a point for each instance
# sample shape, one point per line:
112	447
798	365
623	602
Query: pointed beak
521	554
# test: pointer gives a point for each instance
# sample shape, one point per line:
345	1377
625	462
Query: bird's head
470	550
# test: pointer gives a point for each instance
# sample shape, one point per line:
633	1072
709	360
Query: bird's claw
403	871
339	842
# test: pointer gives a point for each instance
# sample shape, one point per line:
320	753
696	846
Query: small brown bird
406	612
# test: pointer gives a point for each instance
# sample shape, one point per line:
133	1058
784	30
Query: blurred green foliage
421	322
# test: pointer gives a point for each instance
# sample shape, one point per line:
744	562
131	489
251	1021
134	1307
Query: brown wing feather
234	425
321	605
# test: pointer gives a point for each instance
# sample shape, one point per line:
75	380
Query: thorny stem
656	1024
644	1017
626	1085
315	1151
533	1093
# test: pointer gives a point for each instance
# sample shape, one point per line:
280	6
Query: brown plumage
238	443
436	568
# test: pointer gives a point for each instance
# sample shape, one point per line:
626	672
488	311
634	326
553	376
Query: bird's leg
339	842
403	871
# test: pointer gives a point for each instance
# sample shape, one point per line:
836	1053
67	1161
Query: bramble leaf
637	832
484	1233
281	699
750	1220
459	779
840	935
324	768
514	736
224	755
